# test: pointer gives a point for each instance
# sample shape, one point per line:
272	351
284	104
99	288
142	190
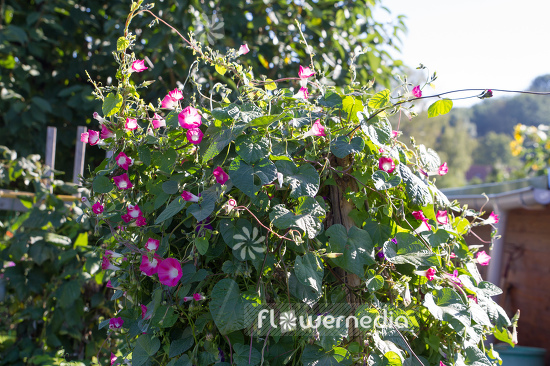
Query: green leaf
178	346
144	154
342	146
170	187
146	346
440	107
356	246
252	148
270	85
416	188
304	293
227	306
446	305
166	160
380	99
265	121
111	104
375	283
307	216
383	180
205	206
122	43
246	240
246	355
102	184
221	139
43	104
242	175
410	250
504	335
392	359
379	133
70	291
220	69
202	245
429	158
173	208
378	232
351	105
330	100
302	180
309	271
315	356
475	357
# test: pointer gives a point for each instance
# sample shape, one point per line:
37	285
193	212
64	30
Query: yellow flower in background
516	147
547	147
535	167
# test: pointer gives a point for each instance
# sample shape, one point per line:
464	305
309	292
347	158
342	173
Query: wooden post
50	154
79	154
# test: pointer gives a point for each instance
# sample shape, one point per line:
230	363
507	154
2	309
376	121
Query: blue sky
499	44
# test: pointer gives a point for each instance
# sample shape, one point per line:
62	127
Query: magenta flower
220	175
138	66
394	134
473	297
419	215
493	218
305	72
430	274
386	164
124	161
93	137
453	278
442	217
316	130
189	118
113	358
131	124
169	103
417	92
151	267
84	137
97	208
109	285
126	218
115	323
123	182
98	117
198	297
170	272
106	133
194	135
106	264
141	221
302	93
443	169
152	245
176	94
158	121
189	197
133	211
243	50
144	311
452	255
483	258
231	204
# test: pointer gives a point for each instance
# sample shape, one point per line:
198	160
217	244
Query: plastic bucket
520	355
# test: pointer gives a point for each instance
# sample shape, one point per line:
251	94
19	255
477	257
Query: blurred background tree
47	46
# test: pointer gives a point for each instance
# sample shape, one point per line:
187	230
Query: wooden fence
10	200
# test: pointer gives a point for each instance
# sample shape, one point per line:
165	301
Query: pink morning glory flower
134	211
141	221
151	267
243	50
93	138
85	201
189	118
106	264
170	272
417	92
123	182
110	253
98	117
106	133
316	130
152	245
115	323
443	169
430	274
189	197
386	164
109	285
442	217
97	208
126	218
198	297
483	258
176	94
113	358
231	204
138	66
220	175
302	93
158	121
169	103
144	311
493	218
194	135
131	124
84	137
305	72
453	278
419	215
124	161
394	134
